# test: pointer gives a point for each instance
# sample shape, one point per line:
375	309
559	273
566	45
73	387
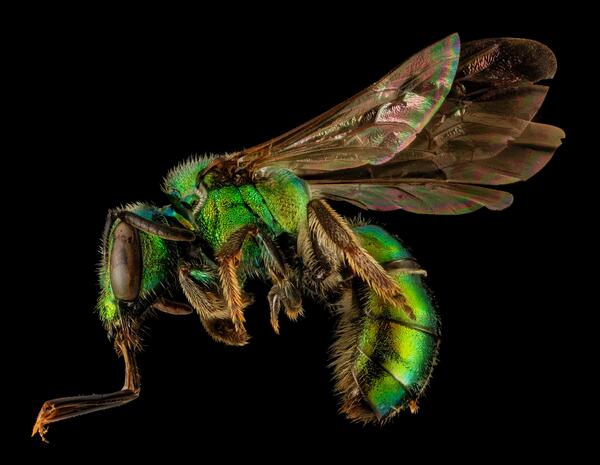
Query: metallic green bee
425	139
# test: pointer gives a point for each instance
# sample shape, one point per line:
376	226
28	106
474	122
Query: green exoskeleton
426	138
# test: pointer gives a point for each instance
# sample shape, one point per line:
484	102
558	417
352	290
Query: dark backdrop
114	108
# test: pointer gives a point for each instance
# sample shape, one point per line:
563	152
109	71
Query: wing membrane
430	133
482	134
426	198
374	125
519	161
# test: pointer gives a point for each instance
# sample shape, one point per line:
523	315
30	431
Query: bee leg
274	308
199	287
171	307
321	267
404	266
228	259
68	407
284	296
283	293
333	232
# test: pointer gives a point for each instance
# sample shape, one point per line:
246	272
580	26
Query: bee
430	138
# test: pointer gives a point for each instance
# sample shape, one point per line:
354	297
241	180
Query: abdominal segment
383	357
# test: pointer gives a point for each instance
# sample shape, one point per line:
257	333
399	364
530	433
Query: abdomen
384	358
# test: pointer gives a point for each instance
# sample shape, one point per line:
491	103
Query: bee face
134	267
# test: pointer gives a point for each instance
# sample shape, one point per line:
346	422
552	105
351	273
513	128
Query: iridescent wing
400	145
372	126
482	135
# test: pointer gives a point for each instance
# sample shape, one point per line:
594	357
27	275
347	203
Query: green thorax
275	202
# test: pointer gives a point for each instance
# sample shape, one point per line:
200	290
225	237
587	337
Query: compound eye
126	263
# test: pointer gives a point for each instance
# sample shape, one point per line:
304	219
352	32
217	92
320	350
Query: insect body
426	138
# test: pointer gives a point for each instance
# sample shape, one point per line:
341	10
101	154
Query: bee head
134	268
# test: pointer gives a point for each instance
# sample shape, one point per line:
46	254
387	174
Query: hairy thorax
275	202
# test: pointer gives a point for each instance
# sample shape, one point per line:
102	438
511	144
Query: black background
111	107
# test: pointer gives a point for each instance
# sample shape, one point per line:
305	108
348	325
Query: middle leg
283	294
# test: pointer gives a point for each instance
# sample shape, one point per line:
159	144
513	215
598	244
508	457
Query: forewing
482	134
371	127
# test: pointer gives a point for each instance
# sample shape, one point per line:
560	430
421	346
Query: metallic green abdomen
395	353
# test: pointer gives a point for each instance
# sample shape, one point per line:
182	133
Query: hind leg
329	231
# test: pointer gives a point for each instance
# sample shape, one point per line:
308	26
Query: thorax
275	202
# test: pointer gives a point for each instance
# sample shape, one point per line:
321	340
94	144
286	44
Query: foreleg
200	286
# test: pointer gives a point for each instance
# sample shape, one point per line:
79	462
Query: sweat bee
427	138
